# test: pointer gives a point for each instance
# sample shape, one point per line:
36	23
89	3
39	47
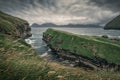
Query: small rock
61	77
51	73
105	36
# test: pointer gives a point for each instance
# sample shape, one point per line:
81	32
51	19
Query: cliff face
14	26
114	24
96	49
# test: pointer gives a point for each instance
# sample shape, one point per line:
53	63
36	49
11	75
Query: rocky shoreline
69	59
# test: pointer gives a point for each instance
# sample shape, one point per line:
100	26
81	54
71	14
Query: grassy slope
7	27
12	25
85	45
114	24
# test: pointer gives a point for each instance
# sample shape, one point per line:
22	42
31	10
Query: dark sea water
39	45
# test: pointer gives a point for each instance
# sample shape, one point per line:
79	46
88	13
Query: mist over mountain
44	25
65	25
63	11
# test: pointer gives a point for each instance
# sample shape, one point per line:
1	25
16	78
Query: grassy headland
14	26
18	61
114	24
87	46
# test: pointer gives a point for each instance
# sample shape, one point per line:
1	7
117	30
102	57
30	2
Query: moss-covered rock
14	26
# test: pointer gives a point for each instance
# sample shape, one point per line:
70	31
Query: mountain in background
44	25
114	24
66	25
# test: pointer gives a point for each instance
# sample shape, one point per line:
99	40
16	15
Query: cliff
98	50
14	26
114	24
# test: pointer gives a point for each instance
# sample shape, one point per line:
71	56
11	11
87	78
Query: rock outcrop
14	26
91	51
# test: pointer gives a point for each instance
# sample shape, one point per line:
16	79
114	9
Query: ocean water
41	48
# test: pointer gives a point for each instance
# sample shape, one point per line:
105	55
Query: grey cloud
63	11
111	4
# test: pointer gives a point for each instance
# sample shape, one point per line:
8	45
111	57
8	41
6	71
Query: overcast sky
63	11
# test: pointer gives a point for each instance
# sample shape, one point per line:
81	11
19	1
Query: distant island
66	25
114	24
44	25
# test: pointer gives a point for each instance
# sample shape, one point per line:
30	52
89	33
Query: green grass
19	62
12	19
24	43
12	25
87	46
114	24
7	28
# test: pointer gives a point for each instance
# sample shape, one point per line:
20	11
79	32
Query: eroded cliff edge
89	50
14	26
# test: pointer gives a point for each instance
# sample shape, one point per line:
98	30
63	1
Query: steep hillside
114	24
14	26
96	49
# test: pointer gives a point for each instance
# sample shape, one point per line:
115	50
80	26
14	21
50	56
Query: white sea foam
29	41
43	55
